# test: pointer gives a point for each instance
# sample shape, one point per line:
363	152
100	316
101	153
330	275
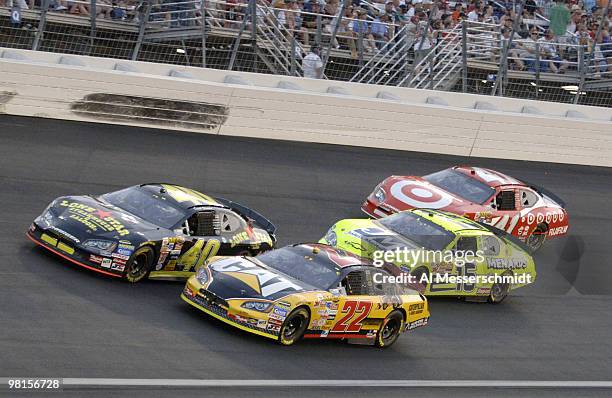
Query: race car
449	254
161	231
526	211
308	291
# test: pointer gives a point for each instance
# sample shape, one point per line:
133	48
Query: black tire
390	329
294	326
499	291
535	241
139	265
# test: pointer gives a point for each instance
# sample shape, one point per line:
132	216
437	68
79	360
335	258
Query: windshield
418	229
144	205
461	185
302	264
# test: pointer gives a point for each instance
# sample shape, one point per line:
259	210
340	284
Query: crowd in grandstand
550	31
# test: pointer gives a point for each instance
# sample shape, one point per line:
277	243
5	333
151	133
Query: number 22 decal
351	307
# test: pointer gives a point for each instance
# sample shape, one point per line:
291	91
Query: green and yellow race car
449	254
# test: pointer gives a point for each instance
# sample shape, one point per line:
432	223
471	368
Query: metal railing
252	36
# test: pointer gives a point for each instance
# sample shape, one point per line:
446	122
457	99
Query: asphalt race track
58	320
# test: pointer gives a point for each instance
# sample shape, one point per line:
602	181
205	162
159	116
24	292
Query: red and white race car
526	211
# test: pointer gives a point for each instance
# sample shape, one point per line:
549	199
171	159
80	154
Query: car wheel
294	326
139	265
390	329
499	291
537	238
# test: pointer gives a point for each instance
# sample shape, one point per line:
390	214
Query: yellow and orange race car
308	291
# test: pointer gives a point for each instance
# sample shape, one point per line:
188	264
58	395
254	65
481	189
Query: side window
490	245
466	243
355	283
228	221
506	200
203	223
528	198
384	288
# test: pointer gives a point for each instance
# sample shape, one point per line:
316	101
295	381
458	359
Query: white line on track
107	382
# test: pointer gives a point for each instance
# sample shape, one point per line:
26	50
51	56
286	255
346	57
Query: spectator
559	18
312	65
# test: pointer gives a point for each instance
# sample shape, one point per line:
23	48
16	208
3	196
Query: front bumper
375	211
67	249
218	308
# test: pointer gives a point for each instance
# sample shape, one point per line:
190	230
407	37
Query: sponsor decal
414	309
483	291
262	323
557	231
106	263
420	194
276	317
506	263
94	219
280	311
95	259
120	256
64	234
118	267
416	324
273	328
124	252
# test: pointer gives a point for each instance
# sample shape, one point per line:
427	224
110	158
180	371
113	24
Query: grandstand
534	49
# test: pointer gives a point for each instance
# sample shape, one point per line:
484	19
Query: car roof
183	197
490	177
449	221
339	257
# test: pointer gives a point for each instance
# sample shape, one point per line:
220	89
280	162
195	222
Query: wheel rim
292	327
498	291
389	329
138	264
535	240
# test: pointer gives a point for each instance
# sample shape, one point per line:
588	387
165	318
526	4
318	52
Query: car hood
83	217
412	192
245	277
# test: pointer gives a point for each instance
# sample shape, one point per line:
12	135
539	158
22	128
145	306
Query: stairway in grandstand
270	41
393	64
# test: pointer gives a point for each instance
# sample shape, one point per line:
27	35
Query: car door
455	270
355	307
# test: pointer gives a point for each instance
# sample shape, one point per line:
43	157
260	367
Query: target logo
418	194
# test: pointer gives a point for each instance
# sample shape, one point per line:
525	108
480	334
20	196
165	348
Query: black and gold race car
161	231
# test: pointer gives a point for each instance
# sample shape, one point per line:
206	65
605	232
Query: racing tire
139	265
294	326
499	291
390	329
535	241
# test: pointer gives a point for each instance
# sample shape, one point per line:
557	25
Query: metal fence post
538	65
93	12
236	44
41	25
334	33
360	46
143	16
319	29
293	66
203	16
504	58
464	72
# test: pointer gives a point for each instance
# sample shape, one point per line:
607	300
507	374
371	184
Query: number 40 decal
351	307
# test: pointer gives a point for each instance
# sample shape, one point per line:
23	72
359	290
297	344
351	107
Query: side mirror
493	205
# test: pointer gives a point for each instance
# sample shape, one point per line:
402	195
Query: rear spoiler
546	192
260	220
500	233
